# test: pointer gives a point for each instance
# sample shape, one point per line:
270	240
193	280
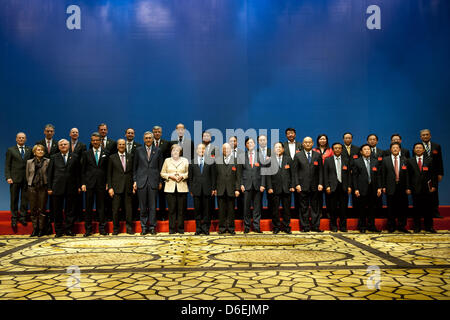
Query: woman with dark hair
325	151
36	174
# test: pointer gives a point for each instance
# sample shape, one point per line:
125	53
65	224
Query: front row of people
364	177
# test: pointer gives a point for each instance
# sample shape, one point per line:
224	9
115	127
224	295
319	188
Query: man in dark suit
50	144
337	183
377	154
422	181
64	184
393	182
78	147
239	155
120	183
108	144
396	138
308	175
147	181
351	153
253	186
186	144
365	183
15	165
279	188
164	146
131	144
93	180
202	183
291	148
228	182
434	151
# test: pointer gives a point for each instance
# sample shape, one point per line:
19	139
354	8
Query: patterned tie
338	169
419	163
251	159
128	147
96	156
397	175
122	156
427	148
22	153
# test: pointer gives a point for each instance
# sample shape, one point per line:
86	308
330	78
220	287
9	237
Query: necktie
65	159
73	147
348	149
122	156
373	151
309	157
419	163
96	156
368	169
338	169
201	165
181	140
104	143
397	175
22	153
264	153
251	159
279	162
148	153
427	148
128	147
48	146
234	153
157	144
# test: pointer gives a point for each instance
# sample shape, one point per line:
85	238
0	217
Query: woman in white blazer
175	173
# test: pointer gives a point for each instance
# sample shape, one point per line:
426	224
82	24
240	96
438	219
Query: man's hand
433	189
236	193
440	176
261	189
242	188
160	186
270	191
320	187
111	192
378	192
83	188
10	181
408	191
50	192
349	190
357	194
291	189
298	188
135	187
384	190
328	190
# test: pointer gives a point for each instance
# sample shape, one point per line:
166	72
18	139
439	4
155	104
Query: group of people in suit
123	175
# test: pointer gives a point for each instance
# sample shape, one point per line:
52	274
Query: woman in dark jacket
36	174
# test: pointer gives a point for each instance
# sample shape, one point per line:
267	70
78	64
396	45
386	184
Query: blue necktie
368	168
309	157
22	153
201	165
96	156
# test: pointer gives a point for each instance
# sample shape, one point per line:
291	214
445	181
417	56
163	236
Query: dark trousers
127	200
338	201
274	205
38	201
397	205
202	206
423	207
162	204
239	205
252	196
63	222
147	206
309	198
367	208
226	213
99	195
435	201
177	207
16	190
78	208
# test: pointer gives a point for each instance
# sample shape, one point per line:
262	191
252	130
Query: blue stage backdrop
321	66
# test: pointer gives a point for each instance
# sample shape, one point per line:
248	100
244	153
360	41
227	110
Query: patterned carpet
298	266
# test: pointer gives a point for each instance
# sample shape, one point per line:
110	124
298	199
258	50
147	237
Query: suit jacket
111	146
133	146
404	153
330	174
14	164
53	148
418	180
281	180
202	183
360	177
164	146
119	180
378	155
308	175
147	171
354	153
188	148
64	178
251	177
228	179
287	151
30	170
436	155
93	175
80	147
171	168
387	171
265	161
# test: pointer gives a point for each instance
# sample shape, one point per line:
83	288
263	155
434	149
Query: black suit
397	199
438	165
79	149
53	147
368	191
131	149
404	153
164	146
121	181
338	189
110	147
309	175
15	167
94	178
228	181
64	181
351	157
201	184
418	183
252	180
287	151
280	181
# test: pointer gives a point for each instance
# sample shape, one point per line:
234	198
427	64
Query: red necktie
419	163
397	176
157	144
48	146
251	159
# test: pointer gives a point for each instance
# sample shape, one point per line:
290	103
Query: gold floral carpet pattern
254	266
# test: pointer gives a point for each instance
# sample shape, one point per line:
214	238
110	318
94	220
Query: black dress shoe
197	233
343	229
58	235
14	224
221	232
34	233
416	230
104	233
372	230
23	222
232	232
206	233
431	230
87	234
152	231
317	230
41	233
246	230
334	229
391	230
288	231
403	230
115	233
130	232
181	232
275	231
258	231
70	234
170	232
362	231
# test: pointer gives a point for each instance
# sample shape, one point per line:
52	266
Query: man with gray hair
147	181
49	142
